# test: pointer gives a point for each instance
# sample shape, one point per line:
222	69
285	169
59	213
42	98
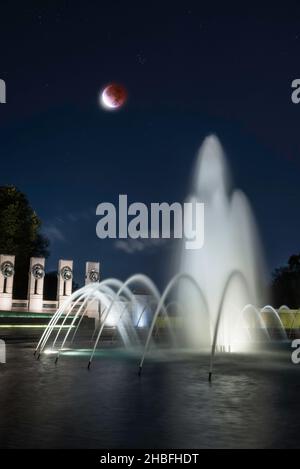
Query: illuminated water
218	289
229	268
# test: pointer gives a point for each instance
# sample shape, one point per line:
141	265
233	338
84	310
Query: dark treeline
286	284
20	235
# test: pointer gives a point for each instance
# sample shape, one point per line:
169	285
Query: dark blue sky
190	69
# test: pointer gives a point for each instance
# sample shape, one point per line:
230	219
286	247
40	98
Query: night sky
190	69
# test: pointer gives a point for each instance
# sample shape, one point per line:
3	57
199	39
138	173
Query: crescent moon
106	101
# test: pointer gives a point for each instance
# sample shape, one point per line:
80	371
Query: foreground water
252	402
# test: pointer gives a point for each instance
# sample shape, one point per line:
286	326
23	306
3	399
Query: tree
286	284
20	234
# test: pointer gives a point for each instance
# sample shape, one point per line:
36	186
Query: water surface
252	402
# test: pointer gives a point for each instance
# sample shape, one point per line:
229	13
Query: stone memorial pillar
64	281
36	284
92	275
7	270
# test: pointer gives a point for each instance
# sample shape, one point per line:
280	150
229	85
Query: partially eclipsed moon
113	96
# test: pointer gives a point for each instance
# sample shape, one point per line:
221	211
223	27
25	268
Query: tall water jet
231	244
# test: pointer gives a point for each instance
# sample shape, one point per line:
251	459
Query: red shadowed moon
113	96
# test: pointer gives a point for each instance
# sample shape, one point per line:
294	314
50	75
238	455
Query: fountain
231	251
275	318
217	289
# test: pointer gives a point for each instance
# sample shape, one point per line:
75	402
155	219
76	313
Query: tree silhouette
286	284
20	234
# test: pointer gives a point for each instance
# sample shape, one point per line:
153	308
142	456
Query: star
141	59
